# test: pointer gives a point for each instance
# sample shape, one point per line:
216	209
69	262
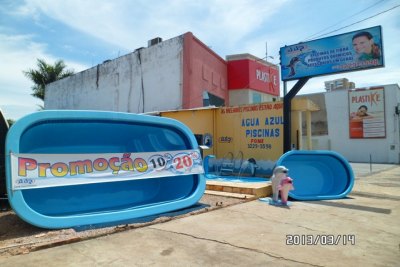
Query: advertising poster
367	113
351	51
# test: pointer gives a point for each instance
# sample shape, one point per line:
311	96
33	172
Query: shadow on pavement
196	207
350	206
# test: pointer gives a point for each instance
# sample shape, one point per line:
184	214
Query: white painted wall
318	142
119	85
239	97
382	150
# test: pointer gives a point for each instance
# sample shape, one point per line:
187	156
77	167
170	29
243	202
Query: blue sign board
358	50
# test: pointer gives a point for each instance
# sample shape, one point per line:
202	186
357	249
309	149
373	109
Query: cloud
15	96
19	53
129	24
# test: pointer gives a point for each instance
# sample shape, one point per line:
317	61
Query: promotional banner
49	170
351	51
367	113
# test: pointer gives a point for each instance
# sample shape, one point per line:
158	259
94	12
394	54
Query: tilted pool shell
81	132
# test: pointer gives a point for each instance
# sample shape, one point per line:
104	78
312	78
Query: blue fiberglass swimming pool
65	135
318	175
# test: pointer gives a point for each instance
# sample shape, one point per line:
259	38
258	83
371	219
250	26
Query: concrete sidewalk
366	169
362	230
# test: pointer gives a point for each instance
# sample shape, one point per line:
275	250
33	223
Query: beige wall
200	121
255	130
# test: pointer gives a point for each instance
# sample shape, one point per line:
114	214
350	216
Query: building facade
184	73
181	72
251	80
374	138
339	84
237	134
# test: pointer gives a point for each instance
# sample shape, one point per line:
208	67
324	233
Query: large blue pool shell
318	175
78	132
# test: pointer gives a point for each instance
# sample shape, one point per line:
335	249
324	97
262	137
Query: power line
311	36
357	22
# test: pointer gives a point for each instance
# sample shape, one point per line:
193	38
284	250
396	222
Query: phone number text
260	146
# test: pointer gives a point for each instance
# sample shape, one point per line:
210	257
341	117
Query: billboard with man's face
351	51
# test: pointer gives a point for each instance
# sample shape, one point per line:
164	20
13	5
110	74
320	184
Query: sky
86	33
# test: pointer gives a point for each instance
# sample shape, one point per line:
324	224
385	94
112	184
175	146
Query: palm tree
45	74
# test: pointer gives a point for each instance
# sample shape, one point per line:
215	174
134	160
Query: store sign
358	50
253	74
262	76
49	170
367	113
255	130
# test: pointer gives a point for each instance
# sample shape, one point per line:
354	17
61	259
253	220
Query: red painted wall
203	70
238	74
251	74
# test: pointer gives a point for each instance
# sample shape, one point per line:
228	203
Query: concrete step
257	190
227	194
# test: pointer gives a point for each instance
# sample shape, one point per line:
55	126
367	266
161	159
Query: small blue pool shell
318	175
79	132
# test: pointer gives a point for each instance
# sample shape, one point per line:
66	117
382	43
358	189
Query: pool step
227	168
225	171
257	190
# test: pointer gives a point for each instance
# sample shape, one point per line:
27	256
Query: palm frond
45	74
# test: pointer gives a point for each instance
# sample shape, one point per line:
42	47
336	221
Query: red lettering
26	164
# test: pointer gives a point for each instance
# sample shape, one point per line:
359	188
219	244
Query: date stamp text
329	240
